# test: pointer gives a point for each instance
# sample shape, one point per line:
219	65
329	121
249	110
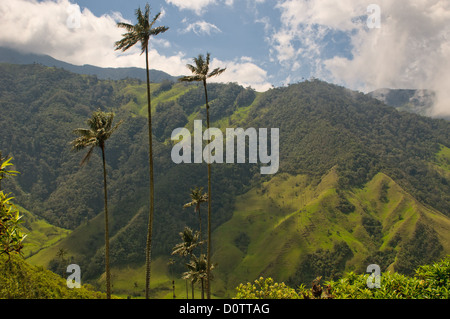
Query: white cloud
61	30
334	14
242	71
410	50
198	6
201	27
195	5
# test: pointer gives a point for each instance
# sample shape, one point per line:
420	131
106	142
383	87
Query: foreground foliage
428	282
20	280
11	236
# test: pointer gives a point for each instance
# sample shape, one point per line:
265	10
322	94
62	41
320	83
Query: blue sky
262	43
228	32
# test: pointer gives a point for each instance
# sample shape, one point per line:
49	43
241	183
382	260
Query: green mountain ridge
312	235
359	182
12	56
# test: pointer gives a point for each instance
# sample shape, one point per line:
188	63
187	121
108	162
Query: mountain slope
12	56
20	280
295	231
345	159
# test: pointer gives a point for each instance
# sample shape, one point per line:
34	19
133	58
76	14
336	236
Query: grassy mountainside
295	231
358	180
40	234
20	280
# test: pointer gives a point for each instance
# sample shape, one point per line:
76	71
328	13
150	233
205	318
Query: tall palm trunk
200	228
187	289
108	274
203	289
208	258
150	221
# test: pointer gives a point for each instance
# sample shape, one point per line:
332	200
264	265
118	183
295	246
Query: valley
359	182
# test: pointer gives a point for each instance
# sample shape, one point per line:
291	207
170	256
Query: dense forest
322	127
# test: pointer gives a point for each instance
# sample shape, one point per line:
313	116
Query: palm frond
193	78
139	16
82	142
87	157
192	68
112	130
158	30
189	204
129	40
216	72
126	26
206	67
200	65
154	20
82	132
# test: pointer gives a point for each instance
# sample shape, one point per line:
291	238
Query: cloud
63	31
195	5
60	29
201	27
198	6
242	71
305	25
410	49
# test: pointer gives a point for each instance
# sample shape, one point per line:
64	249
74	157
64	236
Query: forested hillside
359	182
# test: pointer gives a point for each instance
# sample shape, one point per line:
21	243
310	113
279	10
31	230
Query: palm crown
140	32
99	131
189	243
201	70
197	197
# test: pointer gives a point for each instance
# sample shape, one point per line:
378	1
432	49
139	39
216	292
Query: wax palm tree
190	241
61	254
99	131
197	271
197	198
193	273
141	32
200	74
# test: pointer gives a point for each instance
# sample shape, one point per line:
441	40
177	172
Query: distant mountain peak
13	56
410	100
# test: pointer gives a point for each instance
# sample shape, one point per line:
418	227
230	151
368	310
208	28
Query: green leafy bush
11	236
429	282
265	289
